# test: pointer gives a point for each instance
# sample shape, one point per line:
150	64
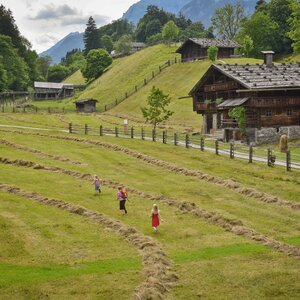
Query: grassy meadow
47	252
229	229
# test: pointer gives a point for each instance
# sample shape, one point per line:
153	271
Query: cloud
46	39
51	12
82	20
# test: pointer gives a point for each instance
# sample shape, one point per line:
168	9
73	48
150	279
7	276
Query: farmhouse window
289	112
269	112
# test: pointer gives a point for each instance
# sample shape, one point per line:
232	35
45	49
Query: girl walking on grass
122	196
97	183
155	217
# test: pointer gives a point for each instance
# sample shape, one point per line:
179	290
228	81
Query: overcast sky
44	22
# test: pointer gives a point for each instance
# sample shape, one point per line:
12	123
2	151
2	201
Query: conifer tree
91	36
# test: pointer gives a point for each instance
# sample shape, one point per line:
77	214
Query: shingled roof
205	43
263	77
256	77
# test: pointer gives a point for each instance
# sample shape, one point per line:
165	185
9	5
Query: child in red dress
155	217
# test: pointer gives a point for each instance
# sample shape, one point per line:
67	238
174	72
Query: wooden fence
269	156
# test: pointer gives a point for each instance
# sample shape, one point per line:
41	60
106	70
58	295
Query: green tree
212	53
15	66
91	36
97	61
152	28
156	111
170	32
57	73
294	21
194	30
247	45
43	64
239	114
261	5
124	44
3	76
107	43
227	20
264	33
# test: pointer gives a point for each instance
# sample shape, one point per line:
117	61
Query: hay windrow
157	267
232	225
224	183
39	153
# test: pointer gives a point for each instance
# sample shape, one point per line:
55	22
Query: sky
45	22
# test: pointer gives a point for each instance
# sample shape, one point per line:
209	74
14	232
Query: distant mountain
202	10
73	40
196	10
137	10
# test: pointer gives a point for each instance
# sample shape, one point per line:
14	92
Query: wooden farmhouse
86	105
194	49
270	94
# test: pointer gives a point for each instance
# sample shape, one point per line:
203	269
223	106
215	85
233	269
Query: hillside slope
127	72
176	81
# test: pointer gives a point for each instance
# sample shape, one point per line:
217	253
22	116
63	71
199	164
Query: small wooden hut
194	49
86	105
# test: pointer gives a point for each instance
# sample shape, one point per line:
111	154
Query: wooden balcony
201	106
274	102
222	86
232	123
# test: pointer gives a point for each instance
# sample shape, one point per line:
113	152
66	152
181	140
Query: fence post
271	158
175	139
63	110
85	129
175	60
49	110
36	109
101	130
3	108
116	131
250	154
142	133
169	63
13	109
132	132
217	147
116	101
152	74
70	128
153	135
288	160
159	69
104	107
187	141
145	81
231	150
164	137
135	88
24	109
126	95
202	144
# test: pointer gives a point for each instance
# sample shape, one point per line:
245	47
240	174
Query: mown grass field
229	230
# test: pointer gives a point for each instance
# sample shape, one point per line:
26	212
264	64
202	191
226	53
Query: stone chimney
268	58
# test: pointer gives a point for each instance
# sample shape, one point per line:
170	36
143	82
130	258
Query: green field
229	229
214	242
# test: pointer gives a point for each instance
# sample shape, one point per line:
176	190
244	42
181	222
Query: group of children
122	196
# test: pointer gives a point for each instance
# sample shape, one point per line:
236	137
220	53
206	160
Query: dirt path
39	153
232	225
157	267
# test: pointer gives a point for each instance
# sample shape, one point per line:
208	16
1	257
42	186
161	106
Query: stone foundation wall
271	135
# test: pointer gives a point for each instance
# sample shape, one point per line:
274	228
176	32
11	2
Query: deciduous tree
294	21
170	32
97	61
212	53
156	111
227	20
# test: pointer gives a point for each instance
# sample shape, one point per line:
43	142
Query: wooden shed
194	49
270	94
86	105
52	90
